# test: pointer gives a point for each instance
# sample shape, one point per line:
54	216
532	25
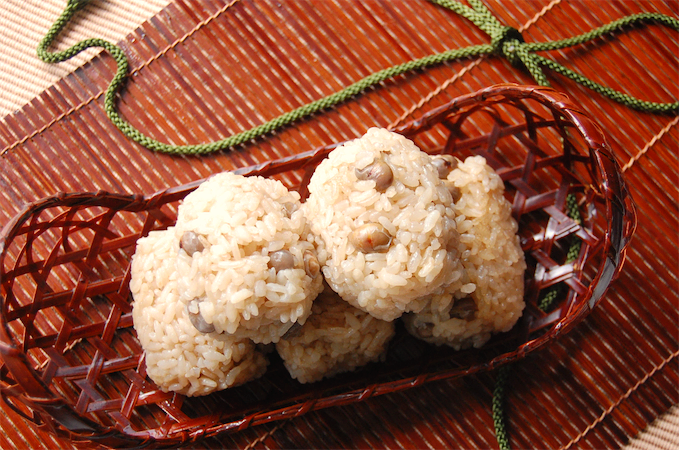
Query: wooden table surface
204	70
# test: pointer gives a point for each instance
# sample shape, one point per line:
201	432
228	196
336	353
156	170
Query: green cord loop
504	41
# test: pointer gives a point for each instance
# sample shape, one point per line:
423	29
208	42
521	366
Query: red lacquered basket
71	360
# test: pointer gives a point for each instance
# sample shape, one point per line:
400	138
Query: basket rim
618	204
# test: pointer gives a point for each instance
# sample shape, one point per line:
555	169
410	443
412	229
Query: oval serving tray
71	360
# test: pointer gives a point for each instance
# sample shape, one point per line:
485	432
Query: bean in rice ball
384	224
179	357
491	297
247	264
336	338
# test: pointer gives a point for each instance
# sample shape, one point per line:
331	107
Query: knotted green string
505	41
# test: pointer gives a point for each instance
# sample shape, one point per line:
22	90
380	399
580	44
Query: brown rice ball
336	338
180	358
491	297
247	266
384	225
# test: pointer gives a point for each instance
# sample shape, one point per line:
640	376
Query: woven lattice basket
73	364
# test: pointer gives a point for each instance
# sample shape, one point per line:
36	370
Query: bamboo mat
23	23
662	433
203	70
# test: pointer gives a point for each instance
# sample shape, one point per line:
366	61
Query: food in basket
179	357
391	229
384	225
236	269
246	266
491	299
42	244
336	338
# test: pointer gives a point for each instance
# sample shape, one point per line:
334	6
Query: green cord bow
508	42
505	41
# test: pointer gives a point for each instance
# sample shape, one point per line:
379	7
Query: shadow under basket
72	363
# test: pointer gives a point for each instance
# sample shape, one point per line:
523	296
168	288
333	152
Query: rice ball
336	338
179	357
491	297
384	224
247	265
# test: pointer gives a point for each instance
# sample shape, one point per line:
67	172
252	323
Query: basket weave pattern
71	360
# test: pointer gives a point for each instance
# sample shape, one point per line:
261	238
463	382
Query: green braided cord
627	100
116	52
71	8
296	114
498	406
616	25
573	213
459	8
479	14
529	61
546	303
279	122
516	51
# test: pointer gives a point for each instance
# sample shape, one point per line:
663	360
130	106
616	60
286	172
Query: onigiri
490	299
247	265
384	225
336	338
179	357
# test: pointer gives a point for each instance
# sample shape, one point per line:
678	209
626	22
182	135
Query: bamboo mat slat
204	70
